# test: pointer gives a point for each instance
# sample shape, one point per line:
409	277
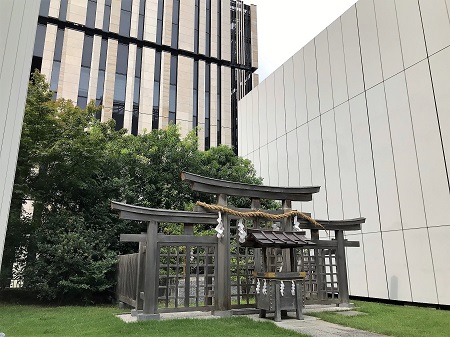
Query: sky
285	26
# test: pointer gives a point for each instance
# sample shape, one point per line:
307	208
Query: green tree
71	166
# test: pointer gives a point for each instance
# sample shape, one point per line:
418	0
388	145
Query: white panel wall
346	157
366	108
382	157
18	21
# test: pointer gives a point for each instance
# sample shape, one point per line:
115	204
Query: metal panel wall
18	21
372	115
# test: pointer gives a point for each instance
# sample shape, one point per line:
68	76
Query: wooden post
140	278
188	230
222	291
318	266
287	226
342	269
277	317
298	299
151	275
256	204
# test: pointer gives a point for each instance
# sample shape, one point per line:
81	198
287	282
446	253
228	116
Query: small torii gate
213	271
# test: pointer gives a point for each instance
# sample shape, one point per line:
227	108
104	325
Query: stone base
135	312
346	305
225	313
148	317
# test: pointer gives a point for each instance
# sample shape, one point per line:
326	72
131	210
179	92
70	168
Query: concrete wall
363	110
18	20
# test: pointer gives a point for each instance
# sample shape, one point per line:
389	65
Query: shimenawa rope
260	214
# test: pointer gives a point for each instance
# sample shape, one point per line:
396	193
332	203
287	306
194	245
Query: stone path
315	327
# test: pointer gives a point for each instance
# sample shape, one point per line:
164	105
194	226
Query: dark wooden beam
216	186
333	243
139	213
191	239
345	225
133	237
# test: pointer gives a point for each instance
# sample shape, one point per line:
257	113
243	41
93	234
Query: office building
150	63
363	110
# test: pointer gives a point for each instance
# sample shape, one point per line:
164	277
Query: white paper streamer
258	285
296	225
264	289
219	228
282	288
241	231
292	288
275	226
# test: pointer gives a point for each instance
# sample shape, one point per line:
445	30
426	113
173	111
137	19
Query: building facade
363	110
17	28
150	63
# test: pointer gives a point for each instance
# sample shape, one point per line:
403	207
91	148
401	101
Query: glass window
125	22
173	98
59	45
55	76
137	70
63	10
135	120
103	51
120	87
126	5
40	40
174	40
156	95
118	114
207	105
106	15
173	69
158	66
100	86
172	118
156	90
90	14
140	34
207	77
176	12
87	51
122	59
159	21
137	89
82	102
155	117
43	9
208	28
84	82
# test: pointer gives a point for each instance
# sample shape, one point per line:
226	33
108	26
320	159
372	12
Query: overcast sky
285	26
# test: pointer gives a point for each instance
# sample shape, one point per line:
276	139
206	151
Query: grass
395	320
39	321
67	321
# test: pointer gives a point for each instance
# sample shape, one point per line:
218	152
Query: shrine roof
259	238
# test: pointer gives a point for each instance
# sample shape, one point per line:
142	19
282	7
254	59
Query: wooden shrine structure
225	270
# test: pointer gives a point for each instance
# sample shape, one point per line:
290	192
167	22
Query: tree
71	166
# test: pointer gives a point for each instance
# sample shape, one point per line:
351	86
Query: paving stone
351	313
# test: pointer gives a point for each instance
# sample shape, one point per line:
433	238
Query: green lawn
37	321
395	320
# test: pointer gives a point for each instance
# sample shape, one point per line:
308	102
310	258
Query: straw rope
259	214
